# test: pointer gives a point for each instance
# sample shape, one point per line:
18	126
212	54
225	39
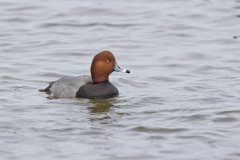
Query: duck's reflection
100	109
100	105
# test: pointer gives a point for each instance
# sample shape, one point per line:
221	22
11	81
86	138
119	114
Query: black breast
98	90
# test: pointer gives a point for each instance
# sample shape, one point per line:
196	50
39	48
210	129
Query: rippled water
181	100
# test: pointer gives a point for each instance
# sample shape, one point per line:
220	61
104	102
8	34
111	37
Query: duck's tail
47	89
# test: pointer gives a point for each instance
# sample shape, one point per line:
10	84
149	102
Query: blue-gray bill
119	69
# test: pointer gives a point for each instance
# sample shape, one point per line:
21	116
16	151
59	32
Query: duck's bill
119	69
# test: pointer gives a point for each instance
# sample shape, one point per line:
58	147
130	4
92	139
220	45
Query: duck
95	86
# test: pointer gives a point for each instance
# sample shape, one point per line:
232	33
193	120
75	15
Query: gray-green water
180	102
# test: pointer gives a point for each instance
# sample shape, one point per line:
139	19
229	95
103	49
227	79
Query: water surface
181	100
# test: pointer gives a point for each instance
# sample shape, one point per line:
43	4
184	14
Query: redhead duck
96	86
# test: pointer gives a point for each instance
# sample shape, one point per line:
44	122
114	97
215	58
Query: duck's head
103	64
